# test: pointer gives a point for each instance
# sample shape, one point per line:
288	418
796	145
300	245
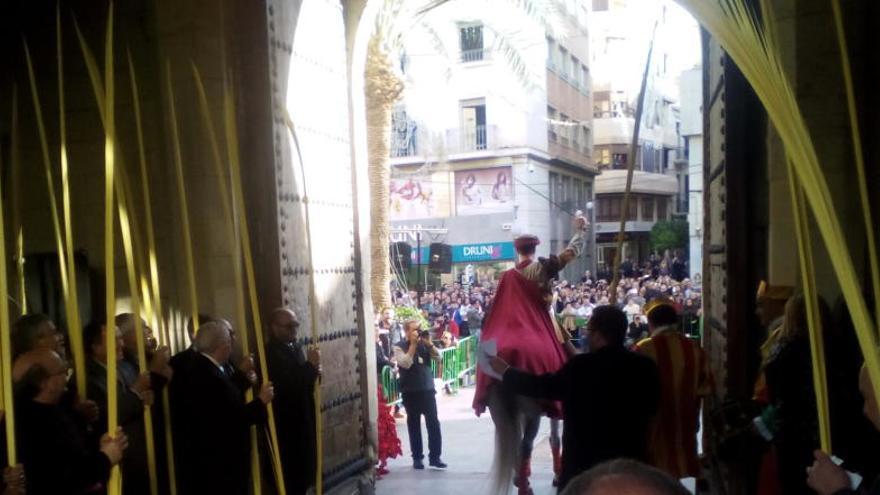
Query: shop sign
465	253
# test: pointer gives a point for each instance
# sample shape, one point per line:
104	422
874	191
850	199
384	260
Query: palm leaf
736	28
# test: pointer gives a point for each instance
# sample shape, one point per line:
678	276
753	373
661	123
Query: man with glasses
56	455
294	374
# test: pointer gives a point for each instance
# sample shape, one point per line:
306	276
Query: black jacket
55	454
608	398
212	430
419	377
130	416
294	380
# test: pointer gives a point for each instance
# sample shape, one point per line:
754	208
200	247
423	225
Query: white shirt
218	365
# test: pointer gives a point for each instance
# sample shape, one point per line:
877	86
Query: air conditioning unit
506	226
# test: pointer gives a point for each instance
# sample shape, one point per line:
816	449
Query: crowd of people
455	310
63	443
639	375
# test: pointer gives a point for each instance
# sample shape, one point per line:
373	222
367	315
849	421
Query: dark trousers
530	432
420	404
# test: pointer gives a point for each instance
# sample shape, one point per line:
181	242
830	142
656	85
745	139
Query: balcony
467	139
474	55
406	142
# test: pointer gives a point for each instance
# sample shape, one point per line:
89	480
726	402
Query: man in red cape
520	322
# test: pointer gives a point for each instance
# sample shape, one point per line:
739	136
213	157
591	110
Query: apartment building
487	149
659	189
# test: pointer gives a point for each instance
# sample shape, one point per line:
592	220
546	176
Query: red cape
520	322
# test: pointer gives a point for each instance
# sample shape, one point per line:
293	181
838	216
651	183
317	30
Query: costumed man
521	324
770	308
684	381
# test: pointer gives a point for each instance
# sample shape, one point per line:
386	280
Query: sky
679	38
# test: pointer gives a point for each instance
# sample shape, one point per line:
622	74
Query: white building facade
488	151
659	191
691	87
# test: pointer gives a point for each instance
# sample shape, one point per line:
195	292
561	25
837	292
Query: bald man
624	477
56	456
212	421
294	375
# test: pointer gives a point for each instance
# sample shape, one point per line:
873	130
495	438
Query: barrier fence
455	367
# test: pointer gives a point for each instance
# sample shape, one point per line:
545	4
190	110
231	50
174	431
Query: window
551	126
618	161
647	209
605	157
473	125
575	69
564	62
661	208
600	5
587	139
564	131
471	42
632	216
551	52
585	78
576	137
608	208
566	191
648	156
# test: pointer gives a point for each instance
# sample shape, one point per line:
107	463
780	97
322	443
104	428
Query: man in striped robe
684	381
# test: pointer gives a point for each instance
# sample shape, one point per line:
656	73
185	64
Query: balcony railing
474	55
474	138
405	142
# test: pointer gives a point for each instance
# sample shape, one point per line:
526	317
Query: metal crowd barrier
455	368
456	364
390	386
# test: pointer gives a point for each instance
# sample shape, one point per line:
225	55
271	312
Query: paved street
467	448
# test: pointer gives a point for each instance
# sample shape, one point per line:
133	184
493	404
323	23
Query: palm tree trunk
382	88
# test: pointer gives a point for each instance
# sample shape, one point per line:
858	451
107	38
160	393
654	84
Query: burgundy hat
525	240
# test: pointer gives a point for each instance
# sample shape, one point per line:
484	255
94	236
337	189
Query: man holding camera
413	356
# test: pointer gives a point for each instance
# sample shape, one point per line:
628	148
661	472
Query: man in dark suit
160	373
213	420
294	376
608	396
57	458
131	398
180	361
